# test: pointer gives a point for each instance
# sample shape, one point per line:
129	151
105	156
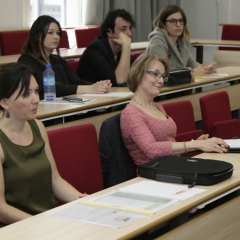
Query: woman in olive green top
29	179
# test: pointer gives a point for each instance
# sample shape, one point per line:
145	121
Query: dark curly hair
109	21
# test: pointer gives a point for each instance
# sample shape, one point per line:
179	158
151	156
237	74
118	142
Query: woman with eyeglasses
147	130
170	39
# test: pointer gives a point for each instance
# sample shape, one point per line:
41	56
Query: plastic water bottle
49	84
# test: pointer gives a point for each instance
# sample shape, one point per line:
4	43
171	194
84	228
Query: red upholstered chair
11	42
230	32
73	64
182	113
64	44
76	153
216	116
85	35
135	55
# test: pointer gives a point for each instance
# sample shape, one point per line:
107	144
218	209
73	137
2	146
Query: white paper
233	143
212	76
99	215
111	94
168	190
60	101
134	200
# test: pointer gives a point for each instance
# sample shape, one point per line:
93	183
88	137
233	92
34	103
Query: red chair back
217	117
64	40
85	35
214	107
73	64
75	150
12	42
182	114
135	55
230	32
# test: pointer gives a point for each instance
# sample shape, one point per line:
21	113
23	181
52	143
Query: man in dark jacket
108	56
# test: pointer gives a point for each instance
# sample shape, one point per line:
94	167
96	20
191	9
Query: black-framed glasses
174	21
157	75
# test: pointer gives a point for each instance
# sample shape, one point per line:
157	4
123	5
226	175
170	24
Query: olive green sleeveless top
27	174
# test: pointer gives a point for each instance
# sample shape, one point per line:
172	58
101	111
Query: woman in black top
44	37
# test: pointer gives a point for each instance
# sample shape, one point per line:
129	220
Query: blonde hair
160	20
141	65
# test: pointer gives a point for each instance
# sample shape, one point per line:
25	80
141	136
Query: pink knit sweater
146	137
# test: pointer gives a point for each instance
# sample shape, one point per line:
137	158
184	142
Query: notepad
212	76
234	145
136	202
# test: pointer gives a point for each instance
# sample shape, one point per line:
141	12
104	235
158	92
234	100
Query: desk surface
46	111
42	226
136	46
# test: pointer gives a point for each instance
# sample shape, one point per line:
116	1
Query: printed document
168	190
99	215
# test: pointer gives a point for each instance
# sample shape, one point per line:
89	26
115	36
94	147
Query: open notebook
234	145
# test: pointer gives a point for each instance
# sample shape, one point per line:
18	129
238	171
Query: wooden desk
219	223
200	43
42	226
50	111
70	53
136	46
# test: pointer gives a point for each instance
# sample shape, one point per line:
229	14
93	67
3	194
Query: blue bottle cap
48	66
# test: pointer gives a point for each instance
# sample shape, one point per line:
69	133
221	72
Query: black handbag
178	169
179	76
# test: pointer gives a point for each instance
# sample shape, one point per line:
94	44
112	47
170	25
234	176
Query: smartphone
72	99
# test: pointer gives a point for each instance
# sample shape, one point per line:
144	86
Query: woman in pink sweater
147	130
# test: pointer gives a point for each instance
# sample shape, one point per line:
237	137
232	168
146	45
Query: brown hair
160	20
38	32
141	65
12	76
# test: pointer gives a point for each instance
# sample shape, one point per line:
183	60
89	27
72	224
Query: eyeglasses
174	21
157	75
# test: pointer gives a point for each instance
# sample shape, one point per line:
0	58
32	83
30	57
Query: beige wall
14	14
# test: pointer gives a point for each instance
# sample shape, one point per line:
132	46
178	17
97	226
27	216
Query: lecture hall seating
76	153
73	64
85	35
217	117
11	42
230	32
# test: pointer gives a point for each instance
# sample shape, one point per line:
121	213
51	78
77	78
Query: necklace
141	105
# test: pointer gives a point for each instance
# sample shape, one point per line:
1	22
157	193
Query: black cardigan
66	80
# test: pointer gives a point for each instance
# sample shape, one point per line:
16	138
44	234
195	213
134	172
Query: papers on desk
234	145
211	76
139	202
61	101
127	205
111	94
100	215
167	190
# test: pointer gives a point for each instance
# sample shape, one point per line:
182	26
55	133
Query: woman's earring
7	115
